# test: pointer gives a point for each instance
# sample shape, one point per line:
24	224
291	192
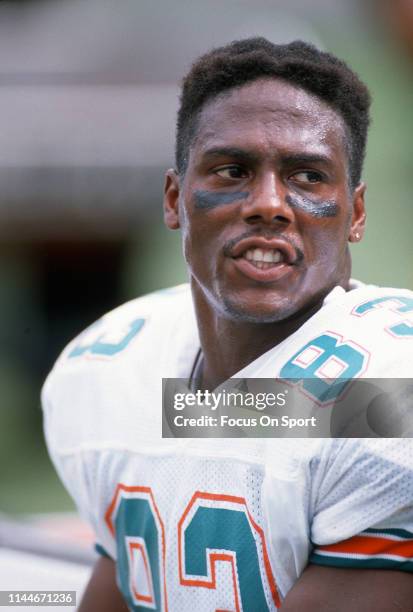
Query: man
267	193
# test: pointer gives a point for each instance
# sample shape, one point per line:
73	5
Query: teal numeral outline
305	368
133	519
217	528
213	528
395	303
108	349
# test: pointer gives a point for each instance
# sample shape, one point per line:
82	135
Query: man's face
265	207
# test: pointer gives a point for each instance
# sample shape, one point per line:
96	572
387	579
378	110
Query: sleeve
362	496
74	468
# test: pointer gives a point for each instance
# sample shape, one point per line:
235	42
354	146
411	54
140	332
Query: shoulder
150	318
118	363
385	313
363	299
380	320
367	332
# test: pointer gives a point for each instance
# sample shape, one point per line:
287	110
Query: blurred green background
88	95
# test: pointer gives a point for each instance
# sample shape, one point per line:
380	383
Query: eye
231	172
307	176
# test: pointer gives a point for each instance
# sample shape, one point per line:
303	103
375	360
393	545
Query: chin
246	313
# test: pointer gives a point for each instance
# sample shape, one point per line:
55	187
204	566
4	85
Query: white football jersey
229	524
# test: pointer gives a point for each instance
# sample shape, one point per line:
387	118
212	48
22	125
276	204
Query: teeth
263	255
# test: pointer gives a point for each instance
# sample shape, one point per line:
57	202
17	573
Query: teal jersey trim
101	551
351	563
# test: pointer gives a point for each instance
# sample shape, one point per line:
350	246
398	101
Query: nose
266	203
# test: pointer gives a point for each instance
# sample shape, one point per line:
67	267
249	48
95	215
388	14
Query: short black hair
299	63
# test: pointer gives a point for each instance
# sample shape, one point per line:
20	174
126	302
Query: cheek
198	240
317	209
326	240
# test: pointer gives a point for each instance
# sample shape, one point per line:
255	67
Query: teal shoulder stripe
101	551
327	560
400	533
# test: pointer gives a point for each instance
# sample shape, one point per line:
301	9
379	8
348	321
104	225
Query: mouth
265	260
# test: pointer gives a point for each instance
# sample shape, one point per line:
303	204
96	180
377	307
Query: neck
229	345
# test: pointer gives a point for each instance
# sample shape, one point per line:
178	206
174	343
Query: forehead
271	113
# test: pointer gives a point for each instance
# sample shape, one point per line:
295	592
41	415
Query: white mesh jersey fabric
362	483
102	406
376	321
185	473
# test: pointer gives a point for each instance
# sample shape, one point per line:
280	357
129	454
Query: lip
258	242
268	275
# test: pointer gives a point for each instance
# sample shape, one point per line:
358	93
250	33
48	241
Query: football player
267	194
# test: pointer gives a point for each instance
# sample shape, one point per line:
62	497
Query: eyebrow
306	158
235	152
249	156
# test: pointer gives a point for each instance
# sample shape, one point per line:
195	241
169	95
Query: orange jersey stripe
367	545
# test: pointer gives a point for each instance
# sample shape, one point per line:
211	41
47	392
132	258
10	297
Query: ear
171	200
358	217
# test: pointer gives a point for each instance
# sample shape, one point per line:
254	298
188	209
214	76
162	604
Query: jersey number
399	304
325	366
213	530
99	344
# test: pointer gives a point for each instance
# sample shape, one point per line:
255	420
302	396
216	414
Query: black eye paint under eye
205	200
319	209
